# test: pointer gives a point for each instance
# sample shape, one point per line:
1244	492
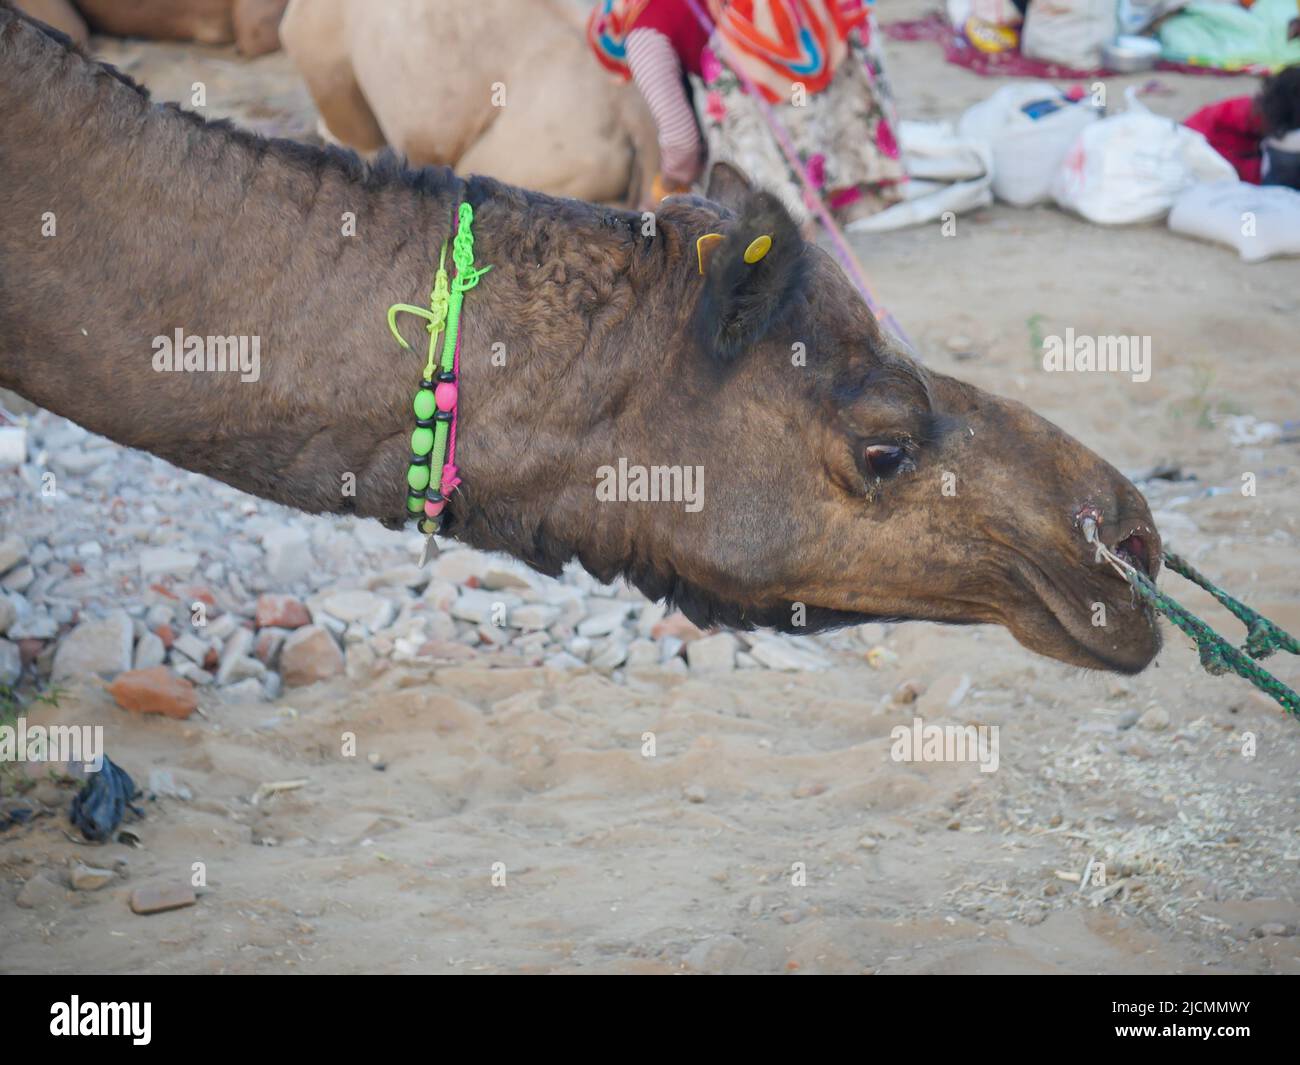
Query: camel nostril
1133	550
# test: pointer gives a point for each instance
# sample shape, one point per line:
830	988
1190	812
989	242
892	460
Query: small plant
12	704
1034	323
1199	406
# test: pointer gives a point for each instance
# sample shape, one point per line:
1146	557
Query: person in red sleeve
1259	135
812	61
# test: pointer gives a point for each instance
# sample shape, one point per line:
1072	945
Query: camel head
842	481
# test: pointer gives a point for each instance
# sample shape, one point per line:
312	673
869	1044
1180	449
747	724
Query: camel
250	24
505	88
842	480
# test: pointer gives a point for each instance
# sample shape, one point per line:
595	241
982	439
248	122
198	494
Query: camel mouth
1127	642
1088	615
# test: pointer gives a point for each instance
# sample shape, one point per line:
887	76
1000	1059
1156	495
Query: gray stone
80	461
288	554
88	878
563	661
532	616
167	562
12	552
248	690
500	576
191	647
221	627
784	655
13	445
42	892
366	608
610	654
1154	719
191	672
717	954
19	579
642	653
34	625
480	607
149	652
712	654
101	646
161	782
237	649
603	621
11	663
8	613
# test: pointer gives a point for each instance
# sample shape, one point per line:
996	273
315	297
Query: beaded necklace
433	442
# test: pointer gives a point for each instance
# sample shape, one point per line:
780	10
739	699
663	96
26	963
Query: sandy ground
690	860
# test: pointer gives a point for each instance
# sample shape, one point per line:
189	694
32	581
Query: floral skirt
844	135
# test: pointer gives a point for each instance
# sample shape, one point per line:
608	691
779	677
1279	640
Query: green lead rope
1217	655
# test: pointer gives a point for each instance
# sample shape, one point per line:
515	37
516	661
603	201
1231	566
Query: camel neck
220	300
204	294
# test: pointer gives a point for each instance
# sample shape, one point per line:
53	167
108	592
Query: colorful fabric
1234	130
959	51
783	43
778	43
611	22
844	136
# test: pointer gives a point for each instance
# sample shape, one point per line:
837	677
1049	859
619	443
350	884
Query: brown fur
165	221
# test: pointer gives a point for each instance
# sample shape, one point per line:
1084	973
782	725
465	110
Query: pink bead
445	396
434	509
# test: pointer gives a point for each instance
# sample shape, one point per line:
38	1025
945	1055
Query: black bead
433	495
425	383
446	375
420	460
424	423
444	415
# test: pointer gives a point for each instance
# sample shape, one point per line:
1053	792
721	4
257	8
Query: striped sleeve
657	71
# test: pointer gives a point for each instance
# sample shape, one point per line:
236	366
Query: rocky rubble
114	564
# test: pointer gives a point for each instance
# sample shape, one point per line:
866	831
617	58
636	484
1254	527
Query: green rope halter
1218	656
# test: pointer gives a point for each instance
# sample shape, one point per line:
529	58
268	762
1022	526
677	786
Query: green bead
418	478
422	441
415	504
424	404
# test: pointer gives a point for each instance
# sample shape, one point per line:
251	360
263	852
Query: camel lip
1061	606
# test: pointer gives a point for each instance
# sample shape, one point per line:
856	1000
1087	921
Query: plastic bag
1069	32
1131	167
103	801
946	172
1028	128
1259	221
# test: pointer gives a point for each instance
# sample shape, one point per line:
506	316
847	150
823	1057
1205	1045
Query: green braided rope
1263	637
1217	655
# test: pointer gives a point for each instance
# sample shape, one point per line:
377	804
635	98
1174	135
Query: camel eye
884	460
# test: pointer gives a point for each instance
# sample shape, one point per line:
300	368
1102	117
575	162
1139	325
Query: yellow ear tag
704	247
758	247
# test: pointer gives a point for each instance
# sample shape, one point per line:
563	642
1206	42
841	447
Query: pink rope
449	479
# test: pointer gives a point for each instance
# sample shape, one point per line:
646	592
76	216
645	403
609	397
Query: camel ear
728	186
750	277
